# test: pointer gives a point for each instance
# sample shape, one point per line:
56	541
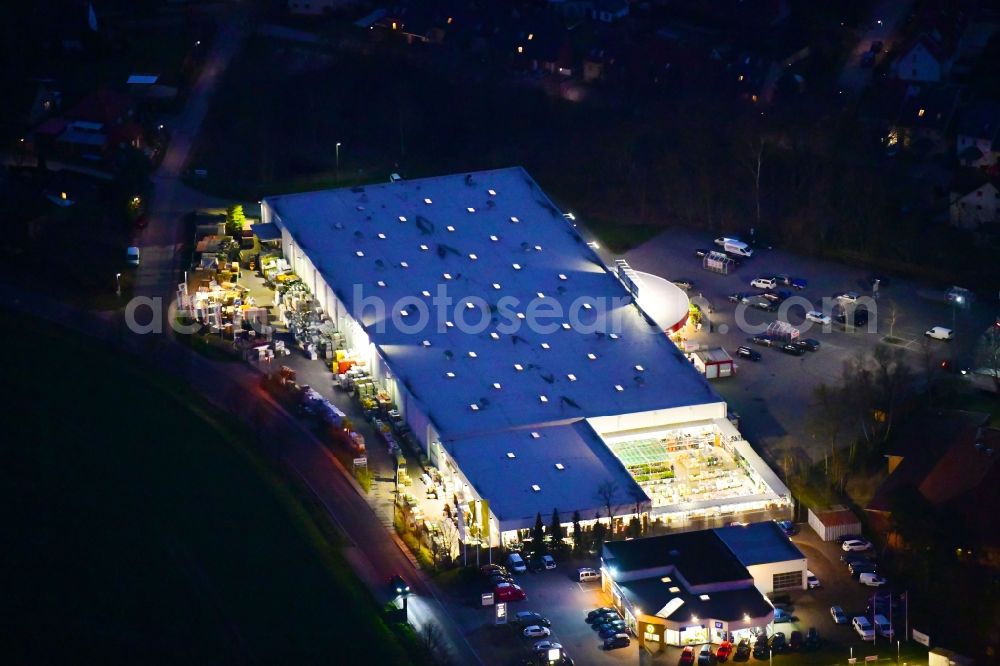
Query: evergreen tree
600	529
556	532
235	220
538	536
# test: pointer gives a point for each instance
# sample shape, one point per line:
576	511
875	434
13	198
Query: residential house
974	201
982	26
978	141
923	119
609	11
94	129
925	59
950	458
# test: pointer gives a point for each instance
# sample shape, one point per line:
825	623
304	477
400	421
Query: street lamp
337	173
118	284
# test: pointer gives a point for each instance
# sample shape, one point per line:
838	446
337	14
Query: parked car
781	615
742	652
498	577
788	527
705	656
684	283
761	649
602	620
858	568
852	557
818	317
860	317
795	641
739	297
535	564
746	352
864	628
849	537
940	333
762	340
398	585
763	283
871	579
508	592
792	348
761	303
132	256
789	281
856	545
611	629
585	574
549	562
617	641
772	296
536	631
883	626
488	569
799	283
597	612
700	252
811	641
847	297
809	344
687	656
838	615
525	618
812	582
545	646
724	652
516	563
778	642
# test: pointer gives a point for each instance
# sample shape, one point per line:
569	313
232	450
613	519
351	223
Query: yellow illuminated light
520	49
921	112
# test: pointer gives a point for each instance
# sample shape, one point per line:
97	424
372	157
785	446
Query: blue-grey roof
267	232
759	543
654	597
700	556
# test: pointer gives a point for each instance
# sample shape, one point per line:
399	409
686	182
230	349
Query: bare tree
432	638
448	538
988	353
607	492
893	314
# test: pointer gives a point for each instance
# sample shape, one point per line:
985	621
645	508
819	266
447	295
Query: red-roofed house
93	129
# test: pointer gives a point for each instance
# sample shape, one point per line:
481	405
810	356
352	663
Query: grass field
139	529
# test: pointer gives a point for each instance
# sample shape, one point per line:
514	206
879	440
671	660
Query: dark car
742	651
795	640
740	297
398	585
705	656
809	344
609	630
528	618
597	612
617	641
762	340
788	527
858	568
700	252
746	352
860	317
536	564
488	569
852	557
602	620
761	650
500	578
778	642
799	283
763	304
792	348
811	641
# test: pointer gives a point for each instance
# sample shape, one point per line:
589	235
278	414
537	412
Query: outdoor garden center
526	371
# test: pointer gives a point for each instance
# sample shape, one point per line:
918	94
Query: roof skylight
510	454
535	435
428	202
562	276
639	368
474	407
592	356
426	343
514	220
449	375
566	326
473	256
546	345
571	377
471	209
472	354
704	597
360	253
450	228
494	238
446	276
381	236
516	267
518	367
381	283
496	285
543	398
560	466
619	388
426	293
402	218
495	335
536	487
492	192
423	247
497	385
404	264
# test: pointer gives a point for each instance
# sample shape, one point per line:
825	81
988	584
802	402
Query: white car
863	627
764	283
856	545
536	631
818	317
549	562
812	582
838	615
545	646
940	333
882	626
848	297
872	580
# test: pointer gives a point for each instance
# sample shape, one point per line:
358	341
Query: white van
882	626
585	574
738	248
516	563
940	333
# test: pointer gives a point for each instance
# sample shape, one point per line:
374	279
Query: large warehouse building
524	365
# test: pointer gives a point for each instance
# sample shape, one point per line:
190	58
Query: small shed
834	522
718	262
713	363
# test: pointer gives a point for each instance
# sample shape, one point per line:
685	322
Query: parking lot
565	602
770	395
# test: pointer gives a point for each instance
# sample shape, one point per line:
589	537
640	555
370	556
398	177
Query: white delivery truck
738	248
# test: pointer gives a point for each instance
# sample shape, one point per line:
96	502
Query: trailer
718	262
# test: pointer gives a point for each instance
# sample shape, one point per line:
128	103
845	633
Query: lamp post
118	284
897	651
337	172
